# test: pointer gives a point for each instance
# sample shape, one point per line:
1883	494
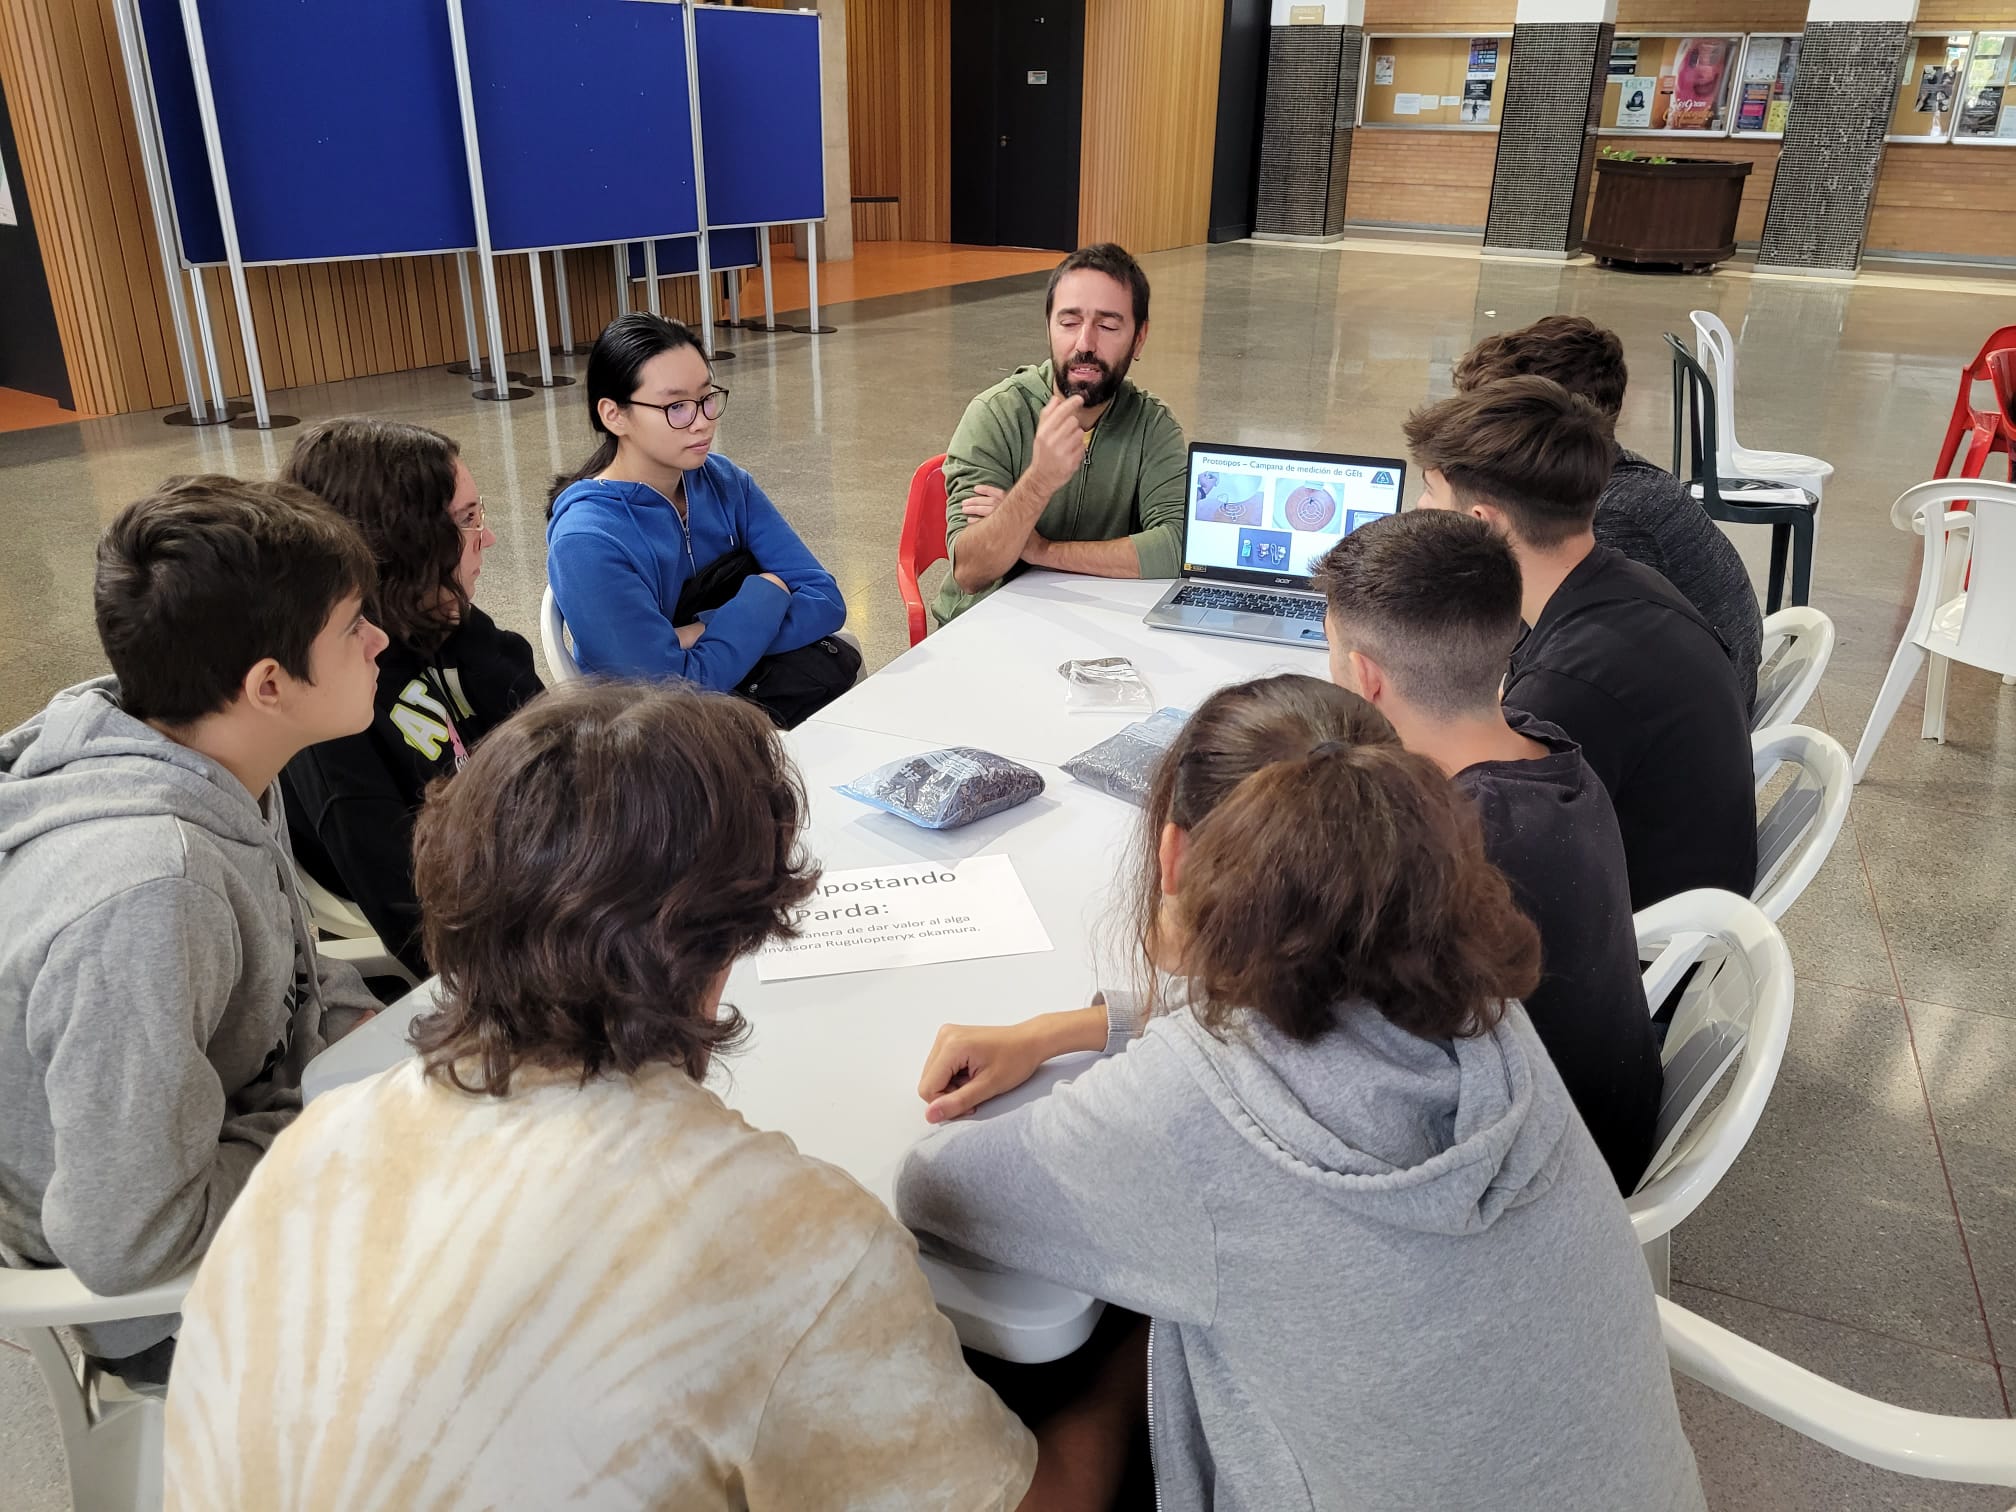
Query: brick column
1311	108
1842	100
1547	133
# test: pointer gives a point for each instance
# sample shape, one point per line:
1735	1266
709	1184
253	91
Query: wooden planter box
1682	212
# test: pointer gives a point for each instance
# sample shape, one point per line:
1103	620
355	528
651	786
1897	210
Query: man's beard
1100	389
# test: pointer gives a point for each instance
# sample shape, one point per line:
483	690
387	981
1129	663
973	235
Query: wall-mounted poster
1697	83
1434	82
1483	58
1635	109
1623	57
1766	93
1382	69
1930	86
1476	109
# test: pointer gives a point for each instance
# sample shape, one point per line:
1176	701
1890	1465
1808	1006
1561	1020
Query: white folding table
833	1062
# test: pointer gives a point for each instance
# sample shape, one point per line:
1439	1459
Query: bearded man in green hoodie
1067	464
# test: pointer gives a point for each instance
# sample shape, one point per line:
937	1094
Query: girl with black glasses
667	560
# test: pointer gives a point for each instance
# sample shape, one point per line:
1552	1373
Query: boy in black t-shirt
1615	656
1423	609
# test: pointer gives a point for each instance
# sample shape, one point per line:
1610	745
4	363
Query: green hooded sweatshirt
1133	483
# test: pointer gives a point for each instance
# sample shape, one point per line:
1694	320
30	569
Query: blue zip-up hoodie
618	555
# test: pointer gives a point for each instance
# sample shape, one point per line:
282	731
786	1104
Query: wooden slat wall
1421	178
316	323
1438	16
1944	199
1963	15
1730	16
899	115
1151	119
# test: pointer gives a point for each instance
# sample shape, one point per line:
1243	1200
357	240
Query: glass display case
1435	81
1670	85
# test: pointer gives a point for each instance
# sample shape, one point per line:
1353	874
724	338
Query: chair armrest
56	1298
1976	1450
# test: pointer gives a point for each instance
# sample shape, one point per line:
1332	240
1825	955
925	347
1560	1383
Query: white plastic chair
1735	1012
111	1437
1798	643
1717	351
553	637
1796	835
1975	623
1931	1445
354	939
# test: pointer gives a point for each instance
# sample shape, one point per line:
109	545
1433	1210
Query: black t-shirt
351	803
1549	827
1623	664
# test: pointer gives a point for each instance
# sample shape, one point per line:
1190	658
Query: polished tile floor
1869	1231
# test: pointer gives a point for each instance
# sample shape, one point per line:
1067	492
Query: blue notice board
181	132
341	130
760	116
584	120
738	248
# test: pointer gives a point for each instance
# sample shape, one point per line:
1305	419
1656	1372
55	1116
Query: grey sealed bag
1124	764
945	789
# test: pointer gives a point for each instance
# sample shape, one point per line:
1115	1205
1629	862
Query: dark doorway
31	352
1018	83
1235	164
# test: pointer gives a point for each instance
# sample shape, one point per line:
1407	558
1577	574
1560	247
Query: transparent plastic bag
1107	682
1124	764
945	789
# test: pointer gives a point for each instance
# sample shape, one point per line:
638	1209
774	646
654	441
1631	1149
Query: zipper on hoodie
1154	1475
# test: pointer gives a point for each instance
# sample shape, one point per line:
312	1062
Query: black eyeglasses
681	413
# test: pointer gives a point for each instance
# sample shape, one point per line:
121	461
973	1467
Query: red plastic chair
923	540
1983	431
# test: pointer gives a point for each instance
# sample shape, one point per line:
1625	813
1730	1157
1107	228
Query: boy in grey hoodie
160	990
1386	1266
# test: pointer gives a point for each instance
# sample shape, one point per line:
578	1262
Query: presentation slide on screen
1279	514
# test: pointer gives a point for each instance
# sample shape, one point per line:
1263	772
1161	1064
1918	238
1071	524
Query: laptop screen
1263	516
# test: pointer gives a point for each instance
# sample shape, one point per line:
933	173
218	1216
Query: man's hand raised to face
1060	443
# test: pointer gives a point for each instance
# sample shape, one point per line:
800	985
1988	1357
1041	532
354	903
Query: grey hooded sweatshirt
159	994
1384	1273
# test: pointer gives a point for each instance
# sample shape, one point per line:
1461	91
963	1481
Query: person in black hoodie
1614	656
448	676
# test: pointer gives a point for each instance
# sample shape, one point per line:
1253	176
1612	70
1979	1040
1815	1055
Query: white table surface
833	1061
989	678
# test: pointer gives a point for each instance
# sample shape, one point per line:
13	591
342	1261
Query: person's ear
1369	675
265	684
615	418
1169	855
1140	341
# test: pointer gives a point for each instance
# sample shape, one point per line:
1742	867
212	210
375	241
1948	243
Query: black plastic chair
1790	511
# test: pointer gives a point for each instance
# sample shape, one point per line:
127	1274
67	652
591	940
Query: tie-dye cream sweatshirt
612	1296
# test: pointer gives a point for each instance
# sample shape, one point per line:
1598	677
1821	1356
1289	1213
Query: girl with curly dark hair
1326	1155
448	676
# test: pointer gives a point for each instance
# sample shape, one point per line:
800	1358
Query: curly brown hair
394	481
1325	865
609	851
1573	350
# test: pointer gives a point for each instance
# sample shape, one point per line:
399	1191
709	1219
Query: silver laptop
1255	523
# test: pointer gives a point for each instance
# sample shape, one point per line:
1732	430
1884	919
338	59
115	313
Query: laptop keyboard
1280	605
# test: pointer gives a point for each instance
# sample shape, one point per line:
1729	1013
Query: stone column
1313	56
1842	99
1547	133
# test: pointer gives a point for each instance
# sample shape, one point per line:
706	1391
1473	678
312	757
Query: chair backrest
1716	349
1695	418
330	914
1984	512
553	637
1731	1021
2002	374
1798	643
923	539
1980	1451
1797	833
1965	417
112	1445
